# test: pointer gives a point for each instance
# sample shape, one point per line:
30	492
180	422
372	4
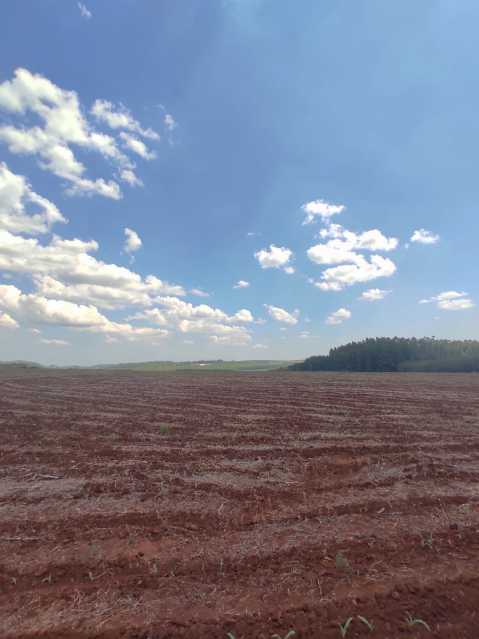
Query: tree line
398	354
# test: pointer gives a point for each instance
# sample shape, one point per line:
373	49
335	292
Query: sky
235	179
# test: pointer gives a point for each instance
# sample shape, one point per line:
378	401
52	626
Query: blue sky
209	129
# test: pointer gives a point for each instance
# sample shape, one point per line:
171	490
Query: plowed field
150	506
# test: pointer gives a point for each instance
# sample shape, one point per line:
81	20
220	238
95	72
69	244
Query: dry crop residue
148	506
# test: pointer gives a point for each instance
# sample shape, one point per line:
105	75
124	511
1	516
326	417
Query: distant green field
244	365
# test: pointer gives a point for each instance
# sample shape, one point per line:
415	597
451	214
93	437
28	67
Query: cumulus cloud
363	270
274	257
241	284
322	209
55	342
32	308
281	315
65	268
62	125
21	209
422	236
345	244
338	317
84	12
132	241
451	301
6	321
119	117
185	317
374	294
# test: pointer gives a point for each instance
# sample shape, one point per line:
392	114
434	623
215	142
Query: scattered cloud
62	125
342	248
32	308
85	13
6	321
169	122
451	301
132	241
305	335
119	117
274	257
184	317
260	346
21	209
55	342
363	270
241	284
322	209
281	315
65	269
338	317
422	236
137	146
199	293
130	177
374	294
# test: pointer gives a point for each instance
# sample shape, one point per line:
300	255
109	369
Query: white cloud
345	244
289	270
63	125
130	177
132	242
65	269
21	209
199	293
333	252
281	315
119	117
169	122
137	146
451	301
231	340
374	294
338	317
424	237
275	257
184	317
31	308
305	335
6	321
259	346
55	342
241	284
85	13
320	208
363	270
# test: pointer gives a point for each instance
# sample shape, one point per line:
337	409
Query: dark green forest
398	354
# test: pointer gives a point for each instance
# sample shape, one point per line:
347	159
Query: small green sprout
366	622
416	622
343	628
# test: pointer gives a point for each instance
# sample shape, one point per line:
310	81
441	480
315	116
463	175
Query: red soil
232	519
